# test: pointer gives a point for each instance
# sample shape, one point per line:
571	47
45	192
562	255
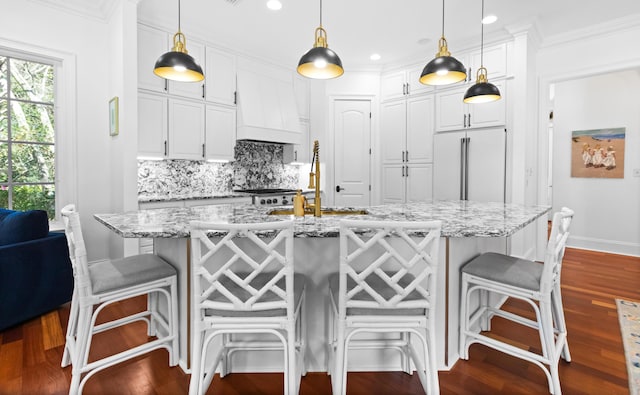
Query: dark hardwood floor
30	353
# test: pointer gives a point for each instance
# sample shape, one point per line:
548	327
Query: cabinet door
488	114
419	180
393	183
450	109
298	153
151	44
220	77
393	125
420	126
220	135
152	126
413	81
392	85
494	59
193	90
186	129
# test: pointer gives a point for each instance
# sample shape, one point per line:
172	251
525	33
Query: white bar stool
536	283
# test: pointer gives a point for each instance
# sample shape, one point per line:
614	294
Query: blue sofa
35	271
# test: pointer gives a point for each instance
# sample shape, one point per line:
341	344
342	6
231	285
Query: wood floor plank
52	335
30	353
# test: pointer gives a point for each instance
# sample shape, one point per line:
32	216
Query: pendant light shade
177	64
320	62
482	91
444	69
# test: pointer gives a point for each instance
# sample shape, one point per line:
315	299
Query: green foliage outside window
27	135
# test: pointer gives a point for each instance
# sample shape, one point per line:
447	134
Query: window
27	135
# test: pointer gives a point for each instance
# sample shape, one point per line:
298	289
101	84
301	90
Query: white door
352	150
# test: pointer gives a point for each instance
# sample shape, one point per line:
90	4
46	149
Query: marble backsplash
256	165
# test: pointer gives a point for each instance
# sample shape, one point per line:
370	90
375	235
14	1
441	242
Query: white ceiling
396	29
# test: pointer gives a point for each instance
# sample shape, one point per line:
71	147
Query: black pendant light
320	62
443	69
483	91
177	64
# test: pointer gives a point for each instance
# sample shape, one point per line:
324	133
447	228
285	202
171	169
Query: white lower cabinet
407	183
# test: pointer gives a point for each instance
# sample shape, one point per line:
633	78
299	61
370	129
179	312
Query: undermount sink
326	211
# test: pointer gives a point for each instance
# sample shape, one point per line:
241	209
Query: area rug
629	318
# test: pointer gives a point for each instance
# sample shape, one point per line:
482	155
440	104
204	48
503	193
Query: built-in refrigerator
470	165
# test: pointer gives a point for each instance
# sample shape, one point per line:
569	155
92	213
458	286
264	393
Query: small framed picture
114	127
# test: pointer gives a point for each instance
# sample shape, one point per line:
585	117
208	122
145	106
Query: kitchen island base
317	258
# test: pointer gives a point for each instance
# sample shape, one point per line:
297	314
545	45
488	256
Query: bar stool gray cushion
506	269
383	289
110	275
299	281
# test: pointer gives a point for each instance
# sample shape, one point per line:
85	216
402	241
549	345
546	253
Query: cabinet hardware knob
165	148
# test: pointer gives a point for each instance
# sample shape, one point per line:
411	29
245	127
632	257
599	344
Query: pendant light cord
179	15
482	37
442	18
320	13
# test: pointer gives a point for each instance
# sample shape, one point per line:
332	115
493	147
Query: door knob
338	189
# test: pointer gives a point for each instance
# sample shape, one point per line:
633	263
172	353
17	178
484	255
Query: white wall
86	40
598	50
607	210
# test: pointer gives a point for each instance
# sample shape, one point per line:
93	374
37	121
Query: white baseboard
611	246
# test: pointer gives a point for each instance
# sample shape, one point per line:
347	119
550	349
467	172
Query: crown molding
615	25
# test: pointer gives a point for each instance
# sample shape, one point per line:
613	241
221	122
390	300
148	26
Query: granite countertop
459	218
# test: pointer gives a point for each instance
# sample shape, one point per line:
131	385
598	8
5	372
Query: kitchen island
468	229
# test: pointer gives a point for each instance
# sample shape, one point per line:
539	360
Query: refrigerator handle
462	161
466	168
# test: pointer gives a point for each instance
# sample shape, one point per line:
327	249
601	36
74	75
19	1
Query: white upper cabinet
152	126
193	90
403	83
220	132
151	44
220	77
186	129
298	153
494	59
454	114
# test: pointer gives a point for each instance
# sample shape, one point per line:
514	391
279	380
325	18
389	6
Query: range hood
267	109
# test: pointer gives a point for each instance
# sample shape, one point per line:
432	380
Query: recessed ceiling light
274	5
424	41
489	19
375	56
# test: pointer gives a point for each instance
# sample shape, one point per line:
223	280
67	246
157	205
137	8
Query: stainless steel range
271	196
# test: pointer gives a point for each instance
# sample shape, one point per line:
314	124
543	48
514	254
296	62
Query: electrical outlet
636	172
